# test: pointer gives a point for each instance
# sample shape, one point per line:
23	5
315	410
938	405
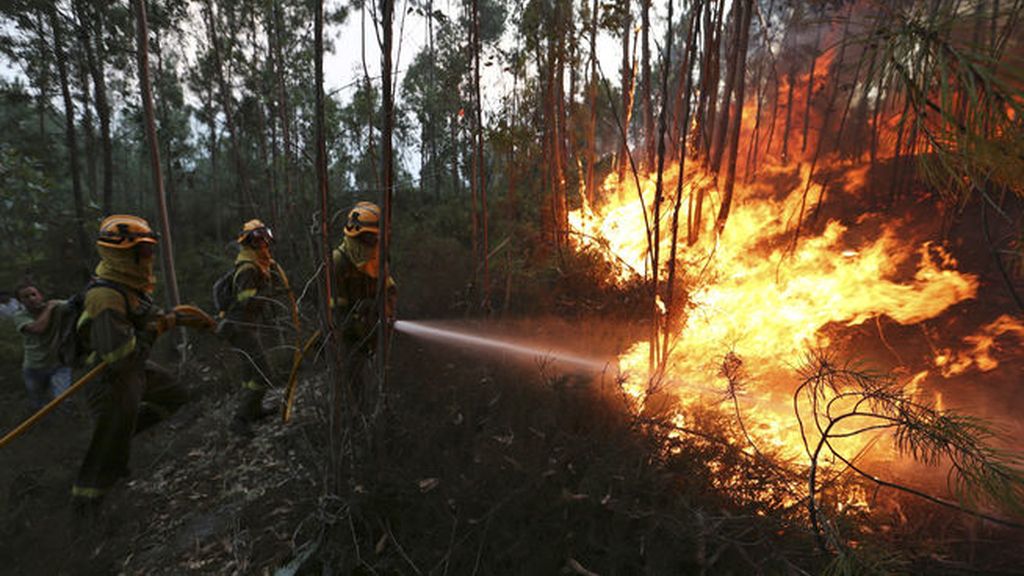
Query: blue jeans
45	384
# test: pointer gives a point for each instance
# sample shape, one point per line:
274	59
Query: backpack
224	290
70	351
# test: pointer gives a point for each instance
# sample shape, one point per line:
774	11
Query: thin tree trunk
245	203
657	323
161	110
211	128
89	139
43	76
340	395
722	124
166	245
741	65
627	90
479	152
755	136
371	147
791	76
70	139
774	115
283	110
711	77
645	81
474	167
384	333
691	55
810	92
592	99
96	59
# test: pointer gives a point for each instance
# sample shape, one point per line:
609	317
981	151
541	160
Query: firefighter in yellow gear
255	284
356	262
118	324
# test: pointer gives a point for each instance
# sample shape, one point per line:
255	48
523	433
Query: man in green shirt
38	325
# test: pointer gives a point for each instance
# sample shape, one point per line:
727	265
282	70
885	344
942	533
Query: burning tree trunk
810	91
689	57
791	80
658	321
627	89
592	99
707	111
645	80
741	64
722	124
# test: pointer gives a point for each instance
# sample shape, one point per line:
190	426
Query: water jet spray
467	339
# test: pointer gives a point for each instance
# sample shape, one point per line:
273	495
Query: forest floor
480	465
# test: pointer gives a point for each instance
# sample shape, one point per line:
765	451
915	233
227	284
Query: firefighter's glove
192	317
162	323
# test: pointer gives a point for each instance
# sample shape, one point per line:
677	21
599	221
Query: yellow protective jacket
118	325
355	295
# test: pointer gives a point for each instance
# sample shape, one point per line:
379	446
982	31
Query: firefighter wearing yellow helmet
118	323
255	284
356	263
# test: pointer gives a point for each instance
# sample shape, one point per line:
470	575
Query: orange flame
756	294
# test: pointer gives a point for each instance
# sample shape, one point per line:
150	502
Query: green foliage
835	402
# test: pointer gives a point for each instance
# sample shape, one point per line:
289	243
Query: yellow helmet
125	231
255	229
362	219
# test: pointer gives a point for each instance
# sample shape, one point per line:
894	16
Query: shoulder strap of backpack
238	268
120	289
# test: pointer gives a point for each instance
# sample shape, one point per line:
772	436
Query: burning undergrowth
762	336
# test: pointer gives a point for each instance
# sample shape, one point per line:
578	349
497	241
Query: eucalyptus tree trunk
241	178
810	92
592	100
722	124
43	77
742	39
755	135
283	106
645	81
710	77
627	90
162	113
479	155
166	245
563	14
384	333
340	395
791	76
474	167
70	138
658	324
95	57
688	58
89	136
371	146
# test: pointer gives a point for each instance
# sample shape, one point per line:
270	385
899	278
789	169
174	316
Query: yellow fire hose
300	349
33	419
289	397
202	320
